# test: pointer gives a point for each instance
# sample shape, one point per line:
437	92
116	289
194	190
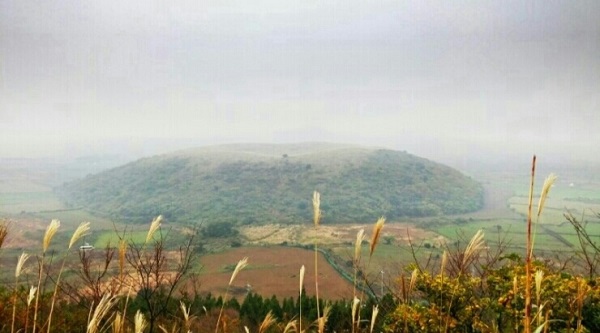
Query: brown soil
17	229
271	271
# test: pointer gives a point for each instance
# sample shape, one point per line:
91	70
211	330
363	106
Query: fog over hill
457	82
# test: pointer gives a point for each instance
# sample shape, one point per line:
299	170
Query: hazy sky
430	77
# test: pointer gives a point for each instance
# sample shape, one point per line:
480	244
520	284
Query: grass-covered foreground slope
274	183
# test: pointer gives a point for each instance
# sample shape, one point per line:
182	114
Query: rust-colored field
271	271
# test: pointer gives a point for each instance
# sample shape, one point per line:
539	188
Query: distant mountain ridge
265	183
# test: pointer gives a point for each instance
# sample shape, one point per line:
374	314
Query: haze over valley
424	112
201	133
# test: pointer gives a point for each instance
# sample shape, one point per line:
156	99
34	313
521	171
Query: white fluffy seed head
50	231
240	265
81	231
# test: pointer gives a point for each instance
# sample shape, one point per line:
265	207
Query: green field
107	238
24	202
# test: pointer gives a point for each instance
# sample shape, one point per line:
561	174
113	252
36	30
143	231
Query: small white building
86	247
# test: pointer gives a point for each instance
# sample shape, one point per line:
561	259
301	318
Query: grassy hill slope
256	183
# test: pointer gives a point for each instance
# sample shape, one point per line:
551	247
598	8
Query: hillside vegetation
245	184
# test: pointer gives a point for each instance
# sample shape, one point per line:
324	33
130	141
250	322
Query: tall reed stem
19	269
240	265
81	231
528	255
50	232
317	220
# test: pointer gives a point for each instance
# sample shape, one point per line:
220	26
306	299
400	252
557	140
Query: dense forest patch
248	184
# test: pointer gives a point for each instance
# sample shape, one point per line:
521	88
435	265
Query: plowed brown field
271	271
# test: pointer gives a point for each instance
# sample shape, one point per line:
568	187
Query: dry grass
3	232
100	313
81	231
153	228
302	270
548	183
375	235
139	321
50	232
322	320
316	208
20	264
269	321
240	265
48	235
374	317
473	248
18	270
317	219
334	234
117	326
360	237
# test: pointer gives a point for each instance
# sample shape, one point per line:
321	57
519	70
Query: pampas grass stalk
355	313
300	299
473	248
374	317
81	231
240	265
548	183
125	308
153	228
20	264
322	321
529	251
18	270
360	236
117	326
317	220
316	208
139	322
444	263
3	232
267	322
186	315
122	253
582	291
514	303
413	282
539	276
475	245
30	297
291	327
442	271
100	313
375	236
48	235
